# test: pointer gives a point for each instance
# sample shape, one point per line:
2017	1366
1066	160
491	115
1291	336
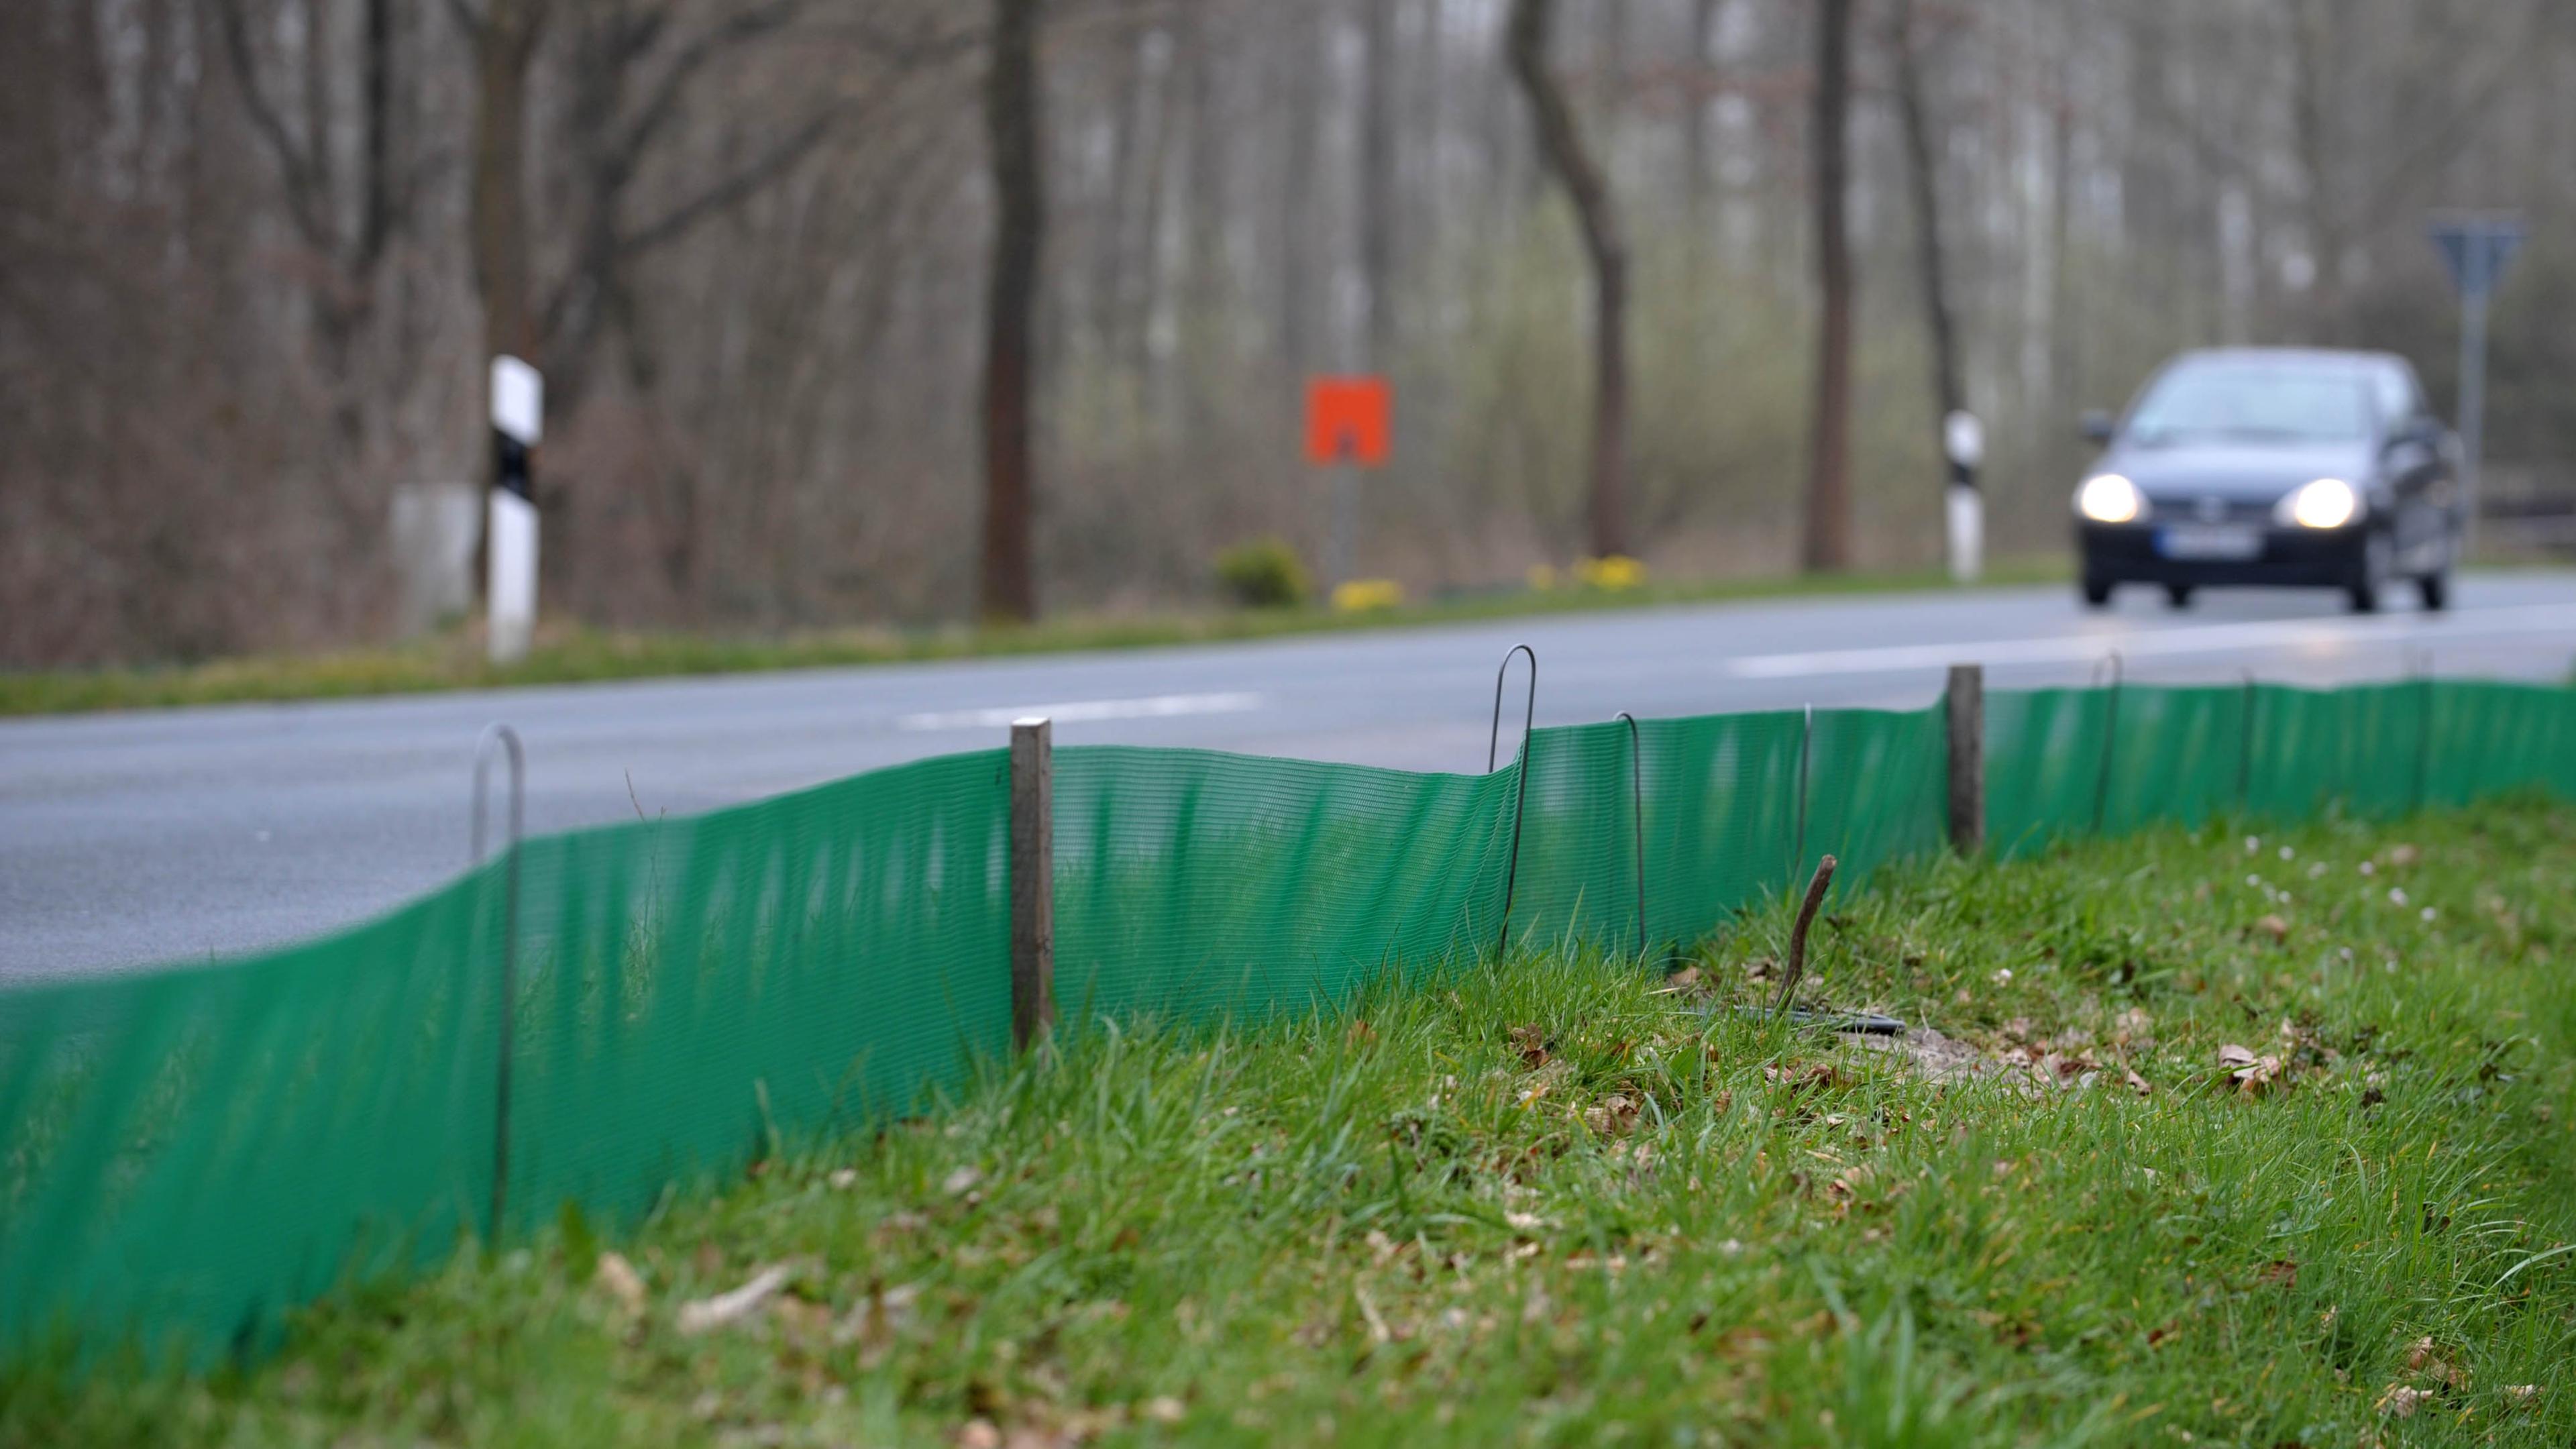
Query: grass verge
2268	1141
565	655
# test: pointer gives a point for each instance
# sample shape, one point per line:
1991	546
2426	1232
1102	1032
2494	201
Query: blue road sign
2476	249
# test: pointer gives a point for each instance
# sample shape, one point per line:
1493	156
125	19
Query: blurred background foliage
240	306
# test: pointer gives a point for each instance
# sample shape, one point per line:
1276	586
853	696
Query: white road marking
2137	643
1082	711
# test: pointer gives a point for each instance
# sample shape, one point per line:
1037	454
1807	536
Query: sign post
1348	427
518	421
1963	438
2476	248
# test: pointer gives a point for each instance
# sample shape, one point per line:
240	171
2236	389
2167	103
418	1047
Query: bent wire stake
1520	798
2110	734
1798	936
1637	818
1494	740
508	739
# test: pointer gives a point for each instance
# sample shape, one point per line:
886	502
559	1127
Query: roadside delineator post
1966	701
1963	439
1032	881
510	539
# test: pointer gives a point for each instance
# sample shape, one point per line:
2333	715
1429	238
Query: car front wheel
2097	593
2436	589
2370	574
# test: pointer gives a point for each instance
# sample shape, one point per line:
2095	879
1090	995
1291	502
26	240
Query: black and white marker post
510	540
1964	439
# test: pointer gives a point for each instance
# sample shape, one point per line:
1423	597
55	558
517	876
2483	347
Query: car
2302	467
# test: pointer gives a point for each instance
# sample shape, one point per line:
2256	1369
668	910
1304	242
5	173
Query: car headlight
2109	498
2326	503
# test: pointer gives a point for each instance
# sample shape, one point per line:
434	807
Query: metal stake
2110	736
1520	799
2424	730
2245	751
1806	751
1032	881
1637	818
508	739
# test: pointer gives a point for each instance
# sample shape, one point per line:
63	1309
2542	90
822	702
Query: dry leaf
2423	1356
1164	1409
2280	1271
843	1178
1361	1033
979	1434
2521	1395
1531	1043
2400	1402
2233	1055
2262	1072
622	1281
2139	1084
1615	1117
962	1180
704	1314
2274	927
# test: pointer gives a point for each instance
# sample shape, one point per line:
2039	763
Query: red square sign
1347	420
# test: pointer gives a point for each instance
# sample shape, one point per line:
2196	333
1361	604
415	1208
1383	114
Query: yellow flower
1615	573
1361	595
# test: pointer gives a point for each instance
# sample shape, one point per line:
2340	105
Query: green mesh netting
184	1154
1189	883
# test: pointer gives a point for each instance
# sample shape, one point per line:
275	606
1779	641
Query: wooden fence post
1967	709
1032	881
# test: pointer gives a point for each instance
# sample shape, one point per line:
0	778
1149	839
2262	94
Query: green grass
563	655
1557	1203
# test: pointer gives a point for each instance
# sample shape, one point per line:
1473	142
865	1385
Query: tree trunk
1923	178
1829	462
1377	182
1560	146
504	43
1699	119
1300	238
376	207
1009	590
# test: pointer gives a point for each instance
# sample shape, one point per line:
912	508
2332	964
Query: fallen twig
1798	933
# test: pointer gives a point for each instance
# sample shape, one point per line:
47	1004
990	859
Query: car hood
2237	471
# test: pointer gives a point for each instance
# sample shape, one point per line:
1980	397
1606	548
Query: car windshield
2253	402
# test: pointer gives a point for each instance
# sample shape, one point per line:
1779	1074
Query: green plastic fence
185	1154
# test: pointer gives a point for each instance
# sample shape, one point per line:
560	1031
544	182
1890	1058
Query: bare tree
1561	144
1829	458
504	37
746	241
1923	183
1011	118
1377	180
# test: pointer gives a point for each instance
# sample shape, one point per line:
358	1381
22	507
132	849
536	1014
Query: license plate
2189	541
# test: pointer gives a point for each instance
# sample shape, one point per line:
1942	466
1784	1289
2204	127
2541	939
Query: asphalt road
187	834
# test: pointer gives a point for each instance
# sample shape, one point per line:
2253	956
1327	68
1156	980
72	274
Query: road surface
176	835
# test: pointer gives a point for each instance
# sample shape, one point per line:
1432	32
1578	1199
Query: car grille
2196	508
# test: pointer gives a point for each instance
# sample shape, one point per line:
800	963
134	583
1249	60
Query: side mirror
2097	426
2422	431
